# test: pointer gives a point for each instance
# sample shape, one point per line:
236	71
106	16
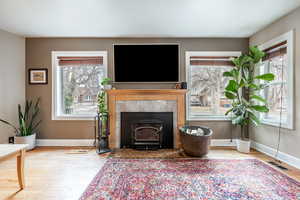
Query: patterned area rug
166	179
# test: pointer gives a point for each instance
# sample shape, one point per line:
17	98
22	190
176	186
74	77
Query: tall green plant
102	106
28	122
101	97
243	89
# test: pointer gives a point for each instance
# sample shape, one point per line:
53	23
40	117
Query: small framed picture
38	76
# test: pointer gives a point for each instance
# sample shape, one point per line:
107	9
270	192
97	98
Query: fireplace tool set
102	133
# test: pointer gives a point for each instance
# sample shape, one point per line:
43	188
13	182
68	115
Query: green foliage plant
102	105
27	119
106	81
243	89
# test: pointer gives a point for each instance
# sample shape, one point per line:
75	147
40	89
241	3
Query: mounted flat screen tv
146	63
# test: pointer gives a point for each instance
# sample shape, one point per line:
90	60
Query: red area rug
164	179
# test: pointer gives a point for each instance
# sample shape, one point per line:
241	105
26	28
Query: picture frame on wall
38	76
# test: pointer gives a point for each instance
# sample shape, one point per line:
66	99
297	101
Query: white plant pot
107	87
243	146
30	140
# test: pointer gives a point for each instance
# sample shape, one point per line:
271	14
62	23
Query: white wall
12	80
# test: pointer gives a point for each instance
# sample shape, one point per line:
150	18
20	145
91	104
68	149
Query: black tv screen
146	63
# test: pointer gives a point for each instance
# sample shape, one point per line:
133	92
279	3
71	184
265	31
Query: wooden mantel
146	91
115	95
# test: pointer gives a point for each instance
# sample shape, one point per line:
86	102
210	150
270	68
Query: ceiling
140	18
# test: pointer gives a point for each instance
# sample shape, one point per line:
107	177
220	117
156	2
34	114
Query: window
279	95
206	84
76	83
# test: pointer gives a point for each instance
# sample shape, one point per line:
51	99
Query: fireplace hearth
146	130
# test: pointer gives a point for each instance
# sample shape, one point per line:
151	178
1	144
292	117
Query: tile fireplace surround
164	100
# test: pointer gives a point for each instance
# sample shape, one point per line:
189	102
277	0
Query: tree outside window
279	60
206	84
77	77
80	86
276	93
207	90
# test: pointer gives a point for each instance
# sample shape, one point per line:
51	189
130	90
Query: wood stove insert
146	130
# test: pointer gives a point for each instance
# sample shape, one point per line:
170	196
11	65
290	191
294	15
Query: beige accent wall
12	80
38	54
268	135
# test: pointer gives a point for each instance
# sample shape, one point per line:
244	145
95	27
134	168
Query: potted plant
103	123
106	83
28	124
243	90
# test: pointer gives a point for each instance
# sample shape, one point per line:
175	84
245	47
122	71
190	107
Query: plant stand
102	144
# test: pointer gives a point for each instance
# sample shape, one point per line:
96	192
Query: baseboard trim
284	157
65	142
90	142
223	142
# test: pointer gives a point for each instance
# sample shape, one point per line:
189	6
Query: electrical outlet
11	140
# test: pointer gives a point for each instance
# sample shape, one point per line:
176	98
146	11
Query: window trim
289	37
188	54
55	54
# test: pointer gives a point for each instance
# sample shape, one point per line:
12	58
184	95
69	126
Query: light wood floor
64	173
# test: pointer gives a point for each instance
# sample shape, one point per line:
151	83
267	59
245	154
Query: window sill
277	124
72	118
208	118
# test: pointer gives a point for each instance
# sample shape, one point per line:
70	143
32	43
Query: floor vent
277	165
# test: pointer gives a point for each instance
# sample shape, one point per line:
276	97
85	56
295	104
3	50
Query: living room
149	100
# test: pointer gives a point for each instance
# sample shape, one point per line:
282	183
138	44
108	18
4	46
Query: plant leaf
253	86
106	81
245	59
37	102
242	83
254	119
239	110
35	113
20	115
259	98
24	128
236	61
266	77
232	73
227	74
260	86
6	122
256	54
36	126
260	108
228	111
232	86
239	120
229	95
245	101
